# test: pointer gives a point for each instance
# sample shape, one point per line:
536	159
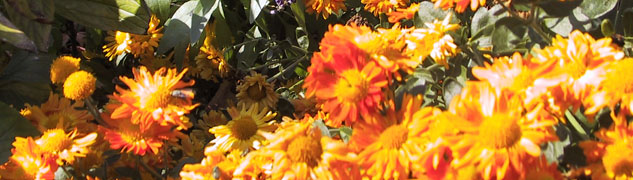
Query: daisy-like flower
119	43
210	60
298	151
57	112
151	98
539	168
244	131
432	41
28	162
79	85
62	67
497	136
325	7
385	48
255	90
65	147
403	13
398	146
129	137
383	6
342	77
214	166
611	85
460	5
137	44
613	151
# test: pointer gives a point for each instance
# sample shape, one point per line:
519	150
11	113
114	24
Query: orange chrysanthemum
613	151
432	41
612	84
460	5
142	45
151	99
28	162
210	60
325	7
403	13
298	151
57	112
214	166
343	78
497	135
123	134
65	147
383	6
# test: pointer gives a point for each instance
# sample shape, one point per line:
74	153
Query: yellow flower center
159	99
621	76
352	86
617	159
244	128
576	69
256	92
79	85
305	149
500	131
522	81
394	136
55	141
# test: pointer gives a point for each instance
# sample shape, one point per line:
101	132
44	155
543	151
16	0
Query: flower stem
93	110
149	169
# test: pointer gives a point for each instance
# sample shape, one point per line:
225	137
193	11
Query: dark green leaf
596	8
12	125
178	28
451	89
201	14
26	79
508	34
483	24
345	133
11	34
627	23
34	18
122	15
160	7
428	13
255	9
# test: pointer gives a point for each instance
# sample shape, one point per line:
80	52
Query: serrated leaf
160	7
34	18
11	34
178	28
122	15
12	125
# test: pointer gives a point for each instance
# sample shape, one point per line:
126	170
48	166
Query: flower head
613	150
66	147
460	5
245	129
28	162
383	6
79	85
612	84
57	112
62	67
325	7
137	44
255	90
210	60
403	13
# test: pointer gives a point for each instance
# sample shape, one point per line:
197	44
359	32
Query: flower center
394	136
522	81
576	69
305	149
617	159
352	86
159	99
55	141
621	76
244	128
500	131
256	92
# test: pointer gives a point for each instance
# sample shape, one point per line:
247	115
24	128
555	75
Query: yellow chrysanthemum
151	98
460	5
497	135
79	85
210	61
142	45
385	48
255	90
57	112
214	166
403	13
65	146
62	67
614	149
211	119
432	41
298	151
119	42
325	7
383	6
612	84
244	131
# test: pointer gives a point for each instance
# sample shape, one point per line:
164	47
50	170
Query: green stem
93	110
531	23
149	169
286	69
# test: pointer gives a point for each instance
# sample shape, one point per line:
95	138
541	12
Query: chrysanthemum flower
129	137
57	110
385	48
539	168
151	98
497	134
612	84
325	7
62	67
210	61
119	42
211	119
65	147
255	90
403	13
79	85
460	5
398	146
244	131
432	41
342	77
383	6
136	44
214	166
614	149
298	151
28	162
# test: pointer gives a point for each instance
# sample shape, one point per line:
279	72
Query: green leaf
345	133
12	125
34	18
298	10
564	17
555	150
178	28
576	124
324	130
509	34
11	34
122	15
597	8
428	13
483	23
26	79
255	8
627	23
222	27
201	14
452	88
160	7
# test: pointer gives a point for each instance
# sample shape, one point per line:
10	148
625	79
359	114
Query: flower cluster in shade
139	45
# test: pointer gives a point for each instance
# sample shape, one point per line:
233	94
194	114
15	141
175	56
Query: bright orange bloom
538	168
154	98
385	48
383	6
65	147
325	7
460	5
214	166
497	135
343	79
432	41
614	150
57	112
403	13
298	151
137	44
611	84
28	162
